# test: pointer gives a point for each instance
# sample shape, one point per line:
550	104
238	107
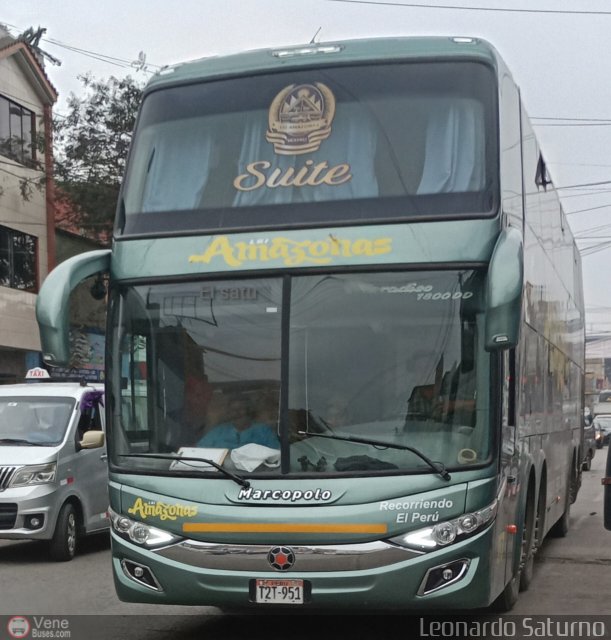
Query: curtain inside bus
401	139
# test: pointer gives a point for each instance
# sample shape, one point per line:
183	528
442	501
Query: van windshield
34	420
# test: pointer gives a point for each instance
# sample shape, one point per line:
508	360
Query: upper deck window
334	145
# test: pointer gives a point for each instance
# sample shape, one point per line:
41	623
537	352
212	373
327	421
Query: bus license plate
279	591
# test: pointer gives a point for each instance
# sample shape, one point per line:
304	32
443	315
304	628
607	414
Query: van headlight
34	474
140	533
445	533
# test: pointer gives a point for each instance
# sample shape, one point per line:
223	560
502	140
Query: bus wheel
63	544
561	528
531	539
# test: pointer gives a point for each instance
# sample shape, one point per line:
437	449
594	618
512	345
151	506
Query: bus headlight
34	474
140	533
445	533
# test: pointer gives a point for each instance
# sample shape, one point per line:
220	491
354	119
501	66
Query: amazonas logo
292	252
161	510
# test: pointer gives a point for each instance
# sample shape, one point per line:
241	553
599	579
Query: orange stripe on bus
266	527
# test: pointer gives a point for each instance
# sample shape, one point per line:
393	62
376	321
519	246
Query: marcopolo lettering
286	495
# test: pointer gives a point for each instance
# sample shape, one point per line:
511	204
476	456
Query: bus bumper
143	575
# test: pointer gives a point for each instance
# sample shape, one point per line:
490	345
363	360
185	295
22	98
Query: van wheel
63	544
587	463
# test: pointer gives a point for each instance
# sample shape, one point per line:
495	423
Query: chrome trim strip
244	557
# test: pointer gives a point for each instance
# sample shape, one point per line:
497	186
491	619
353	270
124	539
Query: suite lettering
291	252
309	175
287	495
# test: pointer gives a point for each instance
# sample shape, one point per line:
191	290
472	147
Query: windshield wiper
438	467
166	456
17	441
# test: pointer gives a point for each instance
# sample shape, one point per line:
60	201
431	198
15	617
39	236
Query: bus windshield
300	147
201	368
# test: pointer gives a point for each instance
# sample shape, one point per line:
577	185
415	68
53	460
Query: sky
559	53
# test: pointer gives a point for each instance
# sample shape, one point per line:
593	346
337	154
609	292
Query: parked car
598	436
603	422
602	405
53	469
589	445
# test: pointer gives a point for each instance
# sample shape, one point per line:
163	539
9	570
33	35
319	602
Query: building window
17	132
18	260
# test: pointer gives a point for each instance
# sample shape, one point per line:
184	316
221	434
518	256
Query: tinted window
16	132
332	144
17	260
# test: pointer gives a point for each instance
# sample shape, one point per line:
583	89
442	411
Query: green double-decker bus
345	333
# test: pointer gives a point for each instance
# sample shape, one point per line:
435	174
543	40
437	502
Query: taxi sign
37	373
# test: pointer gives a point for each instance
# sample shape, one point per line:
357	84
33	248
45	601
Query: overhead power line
571	119
453	7
119	62
572	124
595	248
583	184
602	206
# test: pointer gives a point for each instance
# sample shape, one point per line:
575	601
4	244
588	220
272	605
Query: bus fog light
141	574
440	577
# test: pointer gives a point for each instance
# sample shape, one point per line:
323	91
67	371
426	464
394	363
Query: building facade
27	240
598	368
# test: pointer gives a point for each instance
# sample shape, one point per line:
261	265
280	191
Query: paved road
572	576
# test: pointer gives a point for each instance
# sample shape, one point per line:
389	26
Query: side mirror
504	292
52	302
92	440
607	491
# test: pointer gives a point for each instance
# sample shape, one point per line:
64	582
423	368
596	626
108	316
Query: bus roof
327	53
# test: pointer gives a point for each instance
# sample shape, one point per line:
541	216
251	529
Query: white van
53	469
